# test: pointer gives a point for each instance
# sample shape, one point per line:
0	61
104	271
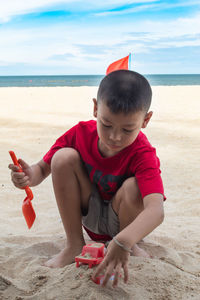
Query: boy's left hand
115	259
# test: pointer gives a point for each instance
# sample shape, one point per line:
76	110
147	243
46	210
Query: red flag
121	64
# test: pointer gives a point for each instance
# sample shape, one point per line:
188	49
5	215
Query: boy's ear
147	119
95	107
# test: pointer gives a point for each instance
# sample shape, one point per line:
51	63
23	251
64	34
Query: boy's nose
115	137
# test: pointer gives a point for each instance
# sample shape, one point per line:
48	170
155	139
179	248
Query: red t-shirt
108	173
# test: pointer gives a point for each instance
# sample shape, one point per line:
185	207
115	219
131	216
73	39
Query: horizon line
16	75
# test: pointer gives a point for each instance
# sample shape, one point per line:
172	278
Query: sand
30	121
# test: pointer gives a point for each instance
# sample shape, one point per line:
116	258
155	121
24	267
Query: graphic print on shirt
108	183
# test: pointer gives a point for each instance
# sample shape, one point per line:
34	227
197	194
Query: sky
69	37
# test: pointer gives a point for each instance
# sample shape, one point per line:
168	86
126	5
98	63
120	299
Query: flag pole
129	62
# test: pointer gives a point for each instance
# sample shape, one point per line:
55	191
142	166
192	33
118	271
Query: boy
105	175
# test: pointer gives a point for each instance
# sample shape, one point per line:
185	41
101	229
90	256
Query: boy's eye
107	126
127	131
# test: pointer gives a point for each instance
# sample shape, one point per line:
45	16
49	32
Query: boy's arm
151	217
31	175
117	258
39	172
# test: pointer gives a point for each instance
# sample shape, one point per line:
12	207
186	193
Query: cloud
143	6
59	42
125	10
62	57
11	8
20	7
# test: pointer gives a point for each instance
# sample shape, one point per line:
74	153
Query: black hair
125	91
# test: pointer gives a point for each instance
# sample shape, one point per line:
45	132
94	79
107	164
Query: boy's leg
128	204
72	189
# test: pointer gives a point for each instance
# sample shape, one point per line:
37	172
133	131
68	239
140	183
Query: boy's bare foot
137	251
65	257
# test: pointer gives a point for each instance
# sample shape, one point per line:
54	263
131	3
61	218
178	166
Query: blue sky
83	37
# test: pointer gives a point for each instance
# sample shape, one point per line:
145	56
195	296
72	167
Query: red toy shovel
27	208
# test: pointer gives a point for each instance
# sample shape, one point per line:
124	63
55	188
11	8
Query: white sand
30	121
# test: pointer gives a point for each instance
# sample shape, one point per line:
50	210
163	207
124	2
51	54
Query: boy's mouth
112	146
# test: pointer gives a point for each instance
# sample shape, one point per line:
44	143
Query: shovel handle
15	161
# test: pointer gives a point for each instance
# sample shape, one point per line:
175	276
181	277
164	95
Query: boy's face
117	131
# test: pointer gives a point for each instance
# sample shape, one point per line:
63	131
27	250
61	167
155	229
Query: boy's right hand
21	179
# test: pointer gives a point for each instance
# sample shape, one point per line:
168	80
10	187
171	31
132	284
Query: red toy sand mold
92	254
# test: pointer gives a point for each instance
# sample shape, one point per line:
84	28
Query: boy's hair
125	91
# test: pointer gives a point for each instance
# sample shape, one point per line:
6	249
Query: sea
92	80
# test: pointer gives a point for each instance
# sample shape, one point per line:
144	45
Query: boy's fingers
23	163
17	176
20	179
108	274
125	267
21	183
23	180
13	167
99	269
117	272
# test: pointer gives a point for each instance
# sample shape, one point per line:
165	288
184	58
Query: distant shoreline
92	80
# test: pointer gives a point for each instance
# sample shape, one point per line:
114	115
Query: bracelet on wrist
121	245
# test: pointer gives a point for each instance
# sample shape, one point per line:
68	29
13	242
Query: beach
31	119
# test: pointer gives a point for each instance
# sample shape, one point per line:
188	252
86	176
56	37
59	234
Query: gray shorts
100	218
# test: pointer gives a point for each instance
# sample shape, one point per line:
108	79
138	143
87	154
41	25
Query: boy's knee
130	186
130	189
64	157
128	193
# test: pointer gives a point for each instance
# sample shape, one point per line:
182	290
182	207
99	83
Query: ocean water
92	80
